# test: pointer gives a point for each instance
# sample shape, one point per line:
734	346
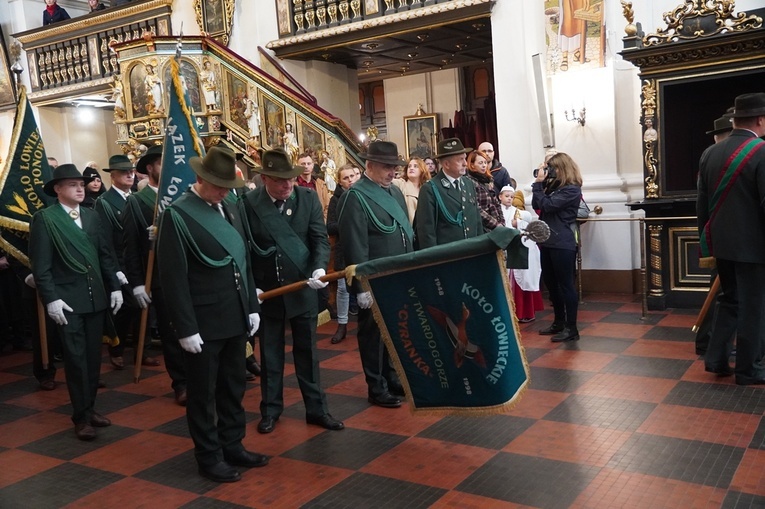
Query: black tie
279	204
456	184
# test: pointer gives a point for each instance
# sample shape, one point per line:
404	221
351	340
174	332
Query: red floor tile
696	373
17	465
430	462
397	421
33	427
616	330
637	388
459	500
728	428
287	434
678	320
750	475
584	445
44	400
130	493
663	349
574	360
536	403
148	414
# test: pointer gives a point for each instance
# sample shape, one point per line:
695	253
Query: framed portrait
7	94
236	101
215	18
310	138
272	119
420	132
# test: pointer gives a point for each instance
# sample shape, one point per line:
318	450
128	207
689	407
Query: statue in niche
209	85
329	170
290	143
118	96
252	114
650	134
153	90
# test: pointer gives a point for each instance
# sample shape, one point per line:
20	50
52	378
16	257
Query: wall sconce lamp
578	118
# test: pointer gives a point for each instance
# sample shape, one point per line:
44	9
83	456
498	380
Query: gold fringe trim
175	72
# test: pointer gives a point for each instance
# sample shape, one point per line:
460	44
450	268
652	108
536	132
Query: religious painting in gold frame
273	118
215	18
7	95
420	135
310	138
236	100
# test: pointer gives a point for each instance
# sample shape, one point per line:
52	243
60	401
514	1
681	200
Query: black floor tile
177	427
56	487
660	332
533	354
349	448
730	398
674	458
108	401
18	388
367	490
21	369
490	432
758	440
65	445
114	378
328	377
340	406
601	412
211	503
179	472
738	500
602	344
648	366
632	318
9	413
599	306
558	380
531	481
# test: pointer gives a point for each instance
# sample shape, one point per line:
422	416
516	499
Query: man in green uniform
76	277
373	223
447	209
206	275
290	244
137	217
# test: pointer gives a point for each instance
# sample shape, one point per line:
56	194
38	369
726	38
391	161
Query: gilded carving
215	18
309	19
299	21
344	11
356	7
321	14
332	11
701	18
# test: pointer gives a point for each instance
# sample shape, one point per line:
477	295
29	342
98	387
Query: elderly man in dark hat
447	209
290	244
205	272
76	277
731	221
374	223
110	207
137	219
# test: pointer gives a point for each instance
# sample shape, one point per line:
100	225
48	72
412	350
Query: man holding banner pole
373	218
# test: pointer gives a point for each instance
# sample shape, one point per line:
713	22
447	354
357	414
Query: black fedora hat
64	172
218	167
384	152
722	125
748	105
119	162
91	173
154	152
451	147
277	164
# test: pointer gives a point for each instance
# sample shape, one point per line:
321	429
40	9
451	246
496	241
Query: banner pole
43	332
299	285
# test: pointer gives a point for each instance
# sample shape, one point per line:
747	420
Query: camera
550	172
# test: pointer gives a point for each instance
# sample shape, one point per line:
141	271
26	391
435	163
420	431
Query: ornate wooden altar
690	72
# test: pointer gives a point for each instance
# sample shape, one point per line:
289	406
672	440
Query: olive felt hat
451	147
384	152
154	152
748	105
64	172
722	125
218	167
277	164
119	162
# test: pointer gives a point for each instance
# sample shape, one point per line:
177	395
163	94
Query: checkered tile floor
626	417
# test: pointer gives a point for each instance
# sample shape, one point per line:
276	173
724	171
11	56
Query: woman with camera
557	192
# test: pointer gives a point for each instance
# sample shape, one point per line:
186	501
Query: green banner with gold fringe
446	315
22	178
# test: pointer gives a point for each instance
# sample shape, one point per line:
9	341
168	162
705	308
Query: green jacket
110	206
54	277
459	218
136	217
286	247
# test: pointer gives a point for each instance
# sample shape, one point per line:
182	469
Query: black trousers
306	364
126	323
741	310
81	347
378	371
558	273
215	388
171	348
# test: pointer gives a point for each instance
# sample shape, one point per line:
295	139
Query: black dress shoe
326	421
47	385
567	334
267	424
745	380
719	370
555	328
253	366
220	472
84	431
396	389
181	397
247	459
340	333
99	421
385	400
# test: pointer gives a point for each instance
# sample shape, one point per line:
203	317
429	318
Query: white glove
117	300
364	300
192	344
254	323
314	282
152	231
143	299
121	277
56	311
30	281
258	291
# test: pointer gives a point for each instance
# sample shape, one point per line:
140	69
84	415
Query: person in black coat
53	13
557	192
